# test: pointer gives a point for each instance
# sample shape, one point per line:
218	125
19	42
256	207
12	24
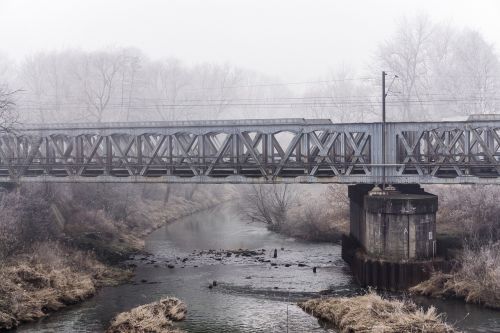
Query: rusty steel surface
254	151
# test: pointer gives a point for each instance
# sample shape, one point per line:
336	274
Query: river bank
253	293
476	279
87	254
50	278
468	234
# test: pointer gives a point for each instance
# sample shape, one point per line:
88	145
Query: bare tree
341	98
470	75
129	76
32	76
8	114
269	204
406	55
216	86
167	84
97	74
441	71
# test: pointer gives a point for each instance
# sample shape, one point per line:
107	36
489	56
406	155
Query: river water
254	293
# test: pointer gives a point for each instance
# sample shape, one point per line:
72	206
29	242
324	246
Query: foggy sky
292	40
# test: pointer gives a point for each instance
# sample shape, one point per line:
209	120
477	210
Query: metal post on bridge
385	188
384	95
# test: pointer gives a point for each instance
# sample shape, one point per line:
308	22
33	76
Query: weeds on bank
371	313
476	278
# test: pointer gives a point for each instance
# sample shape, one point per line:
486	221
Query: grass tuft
477	280
372	313
156	317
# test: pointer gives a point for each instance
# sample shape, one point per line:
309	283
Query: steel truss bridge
253	151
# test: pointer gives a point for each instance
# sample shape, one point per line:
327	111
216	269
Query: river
254	293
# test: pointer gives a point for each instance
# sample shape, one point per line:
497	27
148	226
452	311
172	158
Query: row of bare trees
125	85
442	72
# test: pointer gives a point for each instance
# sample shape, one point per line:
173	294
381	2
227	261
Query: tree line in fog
434	72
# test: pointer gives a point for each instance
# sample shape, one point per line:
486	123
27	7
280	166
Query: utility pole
384	95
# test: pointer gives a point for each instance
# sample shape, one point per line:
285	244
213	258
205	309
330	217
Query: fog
73	61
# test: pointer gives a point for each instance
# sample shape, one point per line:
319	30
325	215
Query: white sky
293	40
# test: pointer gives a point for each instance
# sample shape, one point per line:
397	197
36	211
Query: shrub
25	218
469	211
476	279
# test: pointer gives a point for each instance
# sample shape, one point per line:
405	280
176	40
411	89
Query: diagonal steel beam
64	155
123	156
155	149
185	155
288	152
246	141
220	153
323	149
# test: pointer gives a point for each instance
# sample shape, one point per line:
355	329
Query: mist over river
254	292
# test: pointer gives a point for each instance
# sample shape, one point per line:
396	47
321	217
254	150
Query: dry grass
477	280
370	313
49	278
156	317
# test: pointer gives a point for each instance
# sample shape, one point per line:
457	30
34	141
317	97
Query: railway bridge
254	151
392	241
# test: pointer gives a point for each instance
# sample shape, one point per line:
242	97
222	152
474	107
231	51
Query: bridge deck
253	151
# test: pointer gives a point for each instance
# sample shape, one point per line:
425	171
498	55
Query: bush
476	279
289	209
26	217
469	211
269	204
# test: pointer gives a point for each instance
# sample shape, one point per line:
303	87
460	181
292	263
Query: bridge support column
392	241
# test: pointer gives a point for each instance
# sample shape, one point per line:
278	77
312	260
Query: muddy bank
371	313
156	317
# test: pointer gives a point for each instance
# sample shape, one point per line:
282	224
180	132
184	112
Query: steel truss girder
450	152
254	151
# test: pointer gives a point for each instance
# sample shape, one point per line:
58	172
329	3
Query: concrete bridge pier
392	240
